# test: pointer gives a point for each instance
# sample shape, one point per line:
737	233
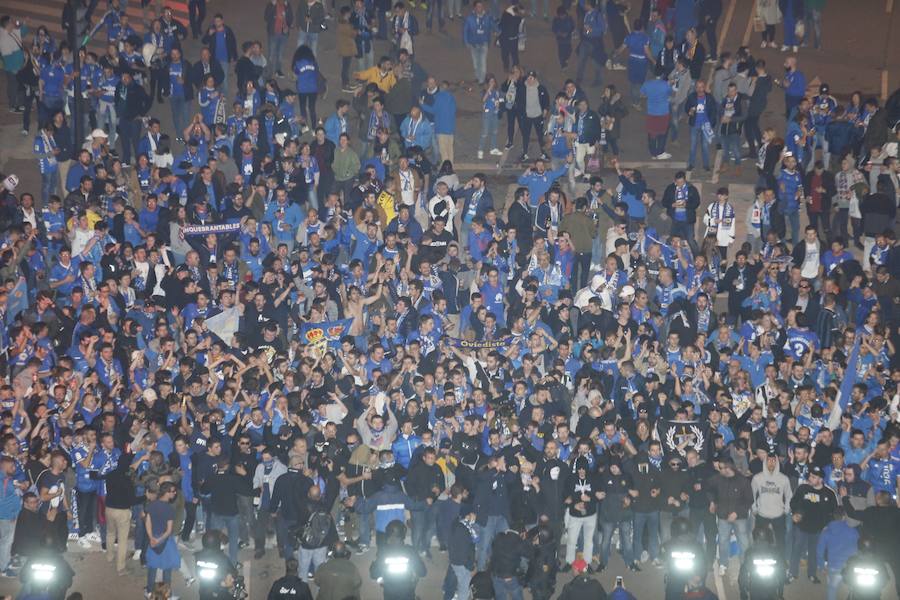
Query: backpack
317	529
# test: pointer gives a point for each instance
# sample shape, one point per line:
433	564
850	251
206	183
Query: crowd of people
259	331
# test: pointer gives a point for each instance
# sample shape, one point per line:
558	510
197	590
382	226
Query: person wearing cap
822	113
812	506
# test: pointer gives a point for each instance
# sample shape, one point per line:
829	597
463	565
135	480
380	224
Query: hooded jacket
837	544
731	495
771	493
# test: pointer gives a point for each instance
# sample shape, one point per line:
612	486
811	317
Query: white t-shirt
810	266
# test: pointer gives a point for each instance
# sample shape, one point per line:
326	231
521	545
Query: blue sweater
443	112
837	543
477	30
788	184
10	500
539	183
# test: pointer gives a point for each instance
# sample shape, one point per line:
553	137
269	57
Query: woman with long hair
306	69
512	101
490	116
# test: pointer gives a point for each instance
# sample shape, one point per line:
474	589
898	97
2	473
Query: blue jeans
674	114
834	583
422	526
804	543
49	185
151	577
625	538
650	521
479	60
310	559
463	580
364	525
739	527
311	39
697	138
493	526
535	6
685	231
587	50
276	48
435	6
793	219
230	525
179	114
813	20
731	146
506	589
7	530
489	124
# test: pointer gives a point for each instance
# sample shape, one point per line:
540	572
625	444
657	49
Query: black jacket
827	183
737	119
695	64
289	587
509	26
224	489
289	496
816	507
199	72
583	586
269	17
508	552
187	85
460	546
646	479
135	104
246	70
421	481
211	40
712	111
880	523
693	201
120	486
520	218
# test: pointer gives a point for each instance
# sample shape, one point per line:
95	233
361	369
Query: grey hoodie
771	493
682	84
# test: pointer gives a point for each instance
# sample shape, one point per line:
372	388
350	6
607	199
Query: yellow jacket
373	75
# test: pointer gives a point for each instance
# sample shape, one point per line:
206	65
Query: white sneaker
136	555
84	542
794	49
763	45
496	152
480	155
73	537
93	537
722	570
655	157
664	156
784	48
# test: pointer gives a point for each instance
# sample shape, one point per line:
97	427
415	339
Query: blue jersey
882	474
799	342
44	145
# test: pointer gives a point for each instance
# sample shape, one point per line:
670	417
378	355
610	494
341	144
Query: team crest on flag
678	436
